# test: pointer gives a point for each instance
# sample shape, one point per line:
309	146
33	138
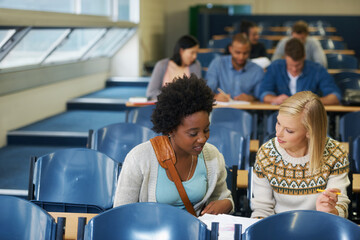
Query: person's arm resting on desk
327	85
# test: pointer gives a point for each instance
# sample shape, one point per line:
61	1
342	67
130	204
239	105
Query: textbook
227	223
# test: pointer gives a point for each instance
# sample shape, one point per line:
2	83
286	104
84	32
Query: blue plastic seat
356	155
145	221
219	43
342	61
233	145
73	177
141	116
118	139
303	224
235	119
21	219
349	126
205	58
332	44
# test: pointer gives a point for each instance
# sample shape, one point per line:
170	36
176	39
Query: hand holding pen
223	96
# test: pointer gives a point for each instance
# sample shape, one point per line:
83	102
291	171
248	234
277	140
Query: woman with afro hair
181	113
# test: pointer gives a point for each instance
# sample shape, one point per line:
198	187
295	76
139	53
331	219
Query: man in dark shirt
251	30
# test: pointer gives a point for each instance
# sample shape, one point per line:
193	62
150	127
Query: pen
224	93
319	190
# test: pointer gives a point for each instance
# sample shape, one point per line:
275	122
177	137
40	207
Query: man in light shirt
235	74
313	49
285	77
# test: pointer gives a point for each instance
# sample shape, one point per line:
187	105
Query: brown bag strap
166	157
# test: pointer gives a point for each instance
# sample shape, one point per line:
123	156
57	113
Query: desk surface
327	51
265	106
71	223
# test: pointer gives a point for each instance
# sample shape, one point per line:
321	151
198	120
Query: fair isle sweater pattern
295	179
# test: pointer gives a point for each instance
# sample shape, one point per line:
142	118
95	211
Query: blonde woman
291	168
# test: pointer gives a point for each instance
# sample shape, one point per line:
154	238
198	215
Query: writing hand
327	200
218	207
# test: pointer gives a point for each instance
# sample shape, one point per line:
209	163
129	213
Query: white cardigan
138	177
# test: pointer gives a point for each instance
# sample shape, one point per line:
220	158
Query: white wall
25	107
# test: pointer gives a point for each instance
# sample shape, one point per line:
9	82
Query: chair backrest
233	145
141	116
219	43
348	81
116	140
205	58
21	219
75	176
356	155
349	126
332	44
146	221
235	119
303	224
342	61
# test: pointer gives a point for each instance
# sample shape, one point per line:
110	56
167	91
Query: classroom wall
152	30
26	107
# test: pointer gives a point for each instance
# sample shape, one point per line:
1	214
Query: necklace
192	161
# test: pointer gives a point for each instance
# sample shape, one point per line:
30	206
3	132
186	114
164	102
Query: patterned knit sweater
284	183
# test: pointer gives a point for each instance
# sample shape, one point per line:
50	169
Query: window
110	43
34	47
76	45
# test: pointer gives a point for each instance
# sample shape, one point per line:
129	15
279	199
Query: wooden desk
279	37
311	29
327	51
334	71
71	223
242	179
284	29
264	107
356	182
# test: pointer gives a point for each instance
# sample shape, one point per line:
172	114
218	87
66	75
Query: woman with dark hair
182	115
182	62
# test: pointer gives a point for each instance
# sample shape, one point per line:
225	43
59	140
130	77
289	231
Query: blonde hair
314	119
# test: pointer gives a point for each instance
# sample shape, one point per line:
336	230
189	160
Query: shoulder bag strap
166	157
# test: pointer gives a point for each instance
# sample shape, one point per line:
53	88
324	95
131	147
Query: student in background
285	77
313	49
182	114
235	74
183	61
292	167
251	30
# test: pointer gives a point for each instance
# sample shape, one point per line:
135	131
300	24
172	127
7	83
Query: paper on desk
227	223
231	103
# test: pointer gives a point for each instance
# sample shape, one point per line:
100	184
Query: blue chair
347	80
356	155
233	145
116	140
73	180
235	119
319	23
342	61
302	224
205	58
141	116
332	44
22	219
147	220
219	43
349	126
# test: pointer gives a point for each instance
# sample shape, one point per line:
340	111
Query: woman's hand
327	200
218	207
